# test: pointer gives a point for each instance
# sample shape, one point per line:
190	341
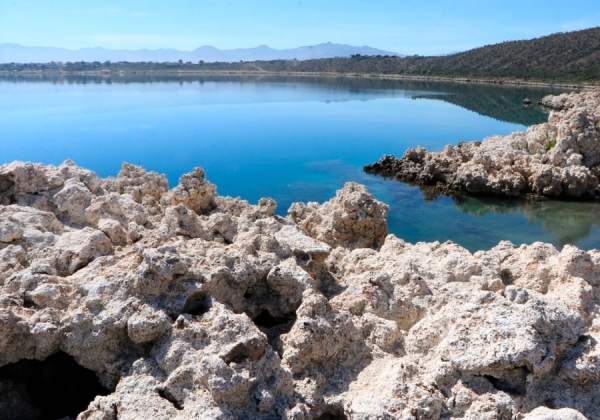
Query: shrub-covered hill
569	57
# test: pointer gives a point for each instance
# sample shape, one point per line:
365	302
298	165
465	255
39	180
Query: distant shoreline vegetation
571	58
131	72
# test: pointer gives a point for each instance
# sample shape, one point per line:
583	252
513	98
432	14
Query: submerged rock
560	158
188	305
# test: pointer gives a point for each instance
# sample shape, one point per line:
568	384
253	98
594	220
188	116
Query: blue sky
403	26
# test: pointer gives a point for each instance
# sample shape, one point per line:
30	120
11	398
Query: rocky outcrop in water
189	305
585	100
558	159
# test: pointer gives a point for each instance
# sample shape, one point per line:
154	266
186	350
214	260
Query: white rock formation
558	158
188	305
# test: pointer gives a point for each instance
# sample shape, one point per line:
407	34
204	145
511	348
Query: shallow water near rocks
293	139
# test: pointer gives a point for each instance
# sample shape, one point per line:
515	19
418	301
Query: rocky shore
188	305
560	158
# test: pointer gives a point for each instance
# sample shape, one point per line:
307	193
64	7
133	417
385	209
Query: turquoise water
290	139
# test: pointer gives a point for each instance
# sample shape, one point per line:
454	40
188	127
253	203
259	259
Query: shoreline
557	159
464	80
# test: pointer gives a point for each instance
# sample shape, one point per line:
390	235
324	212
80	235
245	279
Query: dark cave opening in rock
266	320
7	195
273	327
54	388
29	303
333	414
506	276
163	393
197	304
513	382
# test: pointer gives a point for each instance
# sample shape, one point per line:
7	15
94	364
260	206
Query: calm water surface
291	139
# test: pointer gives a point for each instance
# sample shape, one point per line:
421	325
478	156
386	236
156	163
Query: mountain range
15	53
560	57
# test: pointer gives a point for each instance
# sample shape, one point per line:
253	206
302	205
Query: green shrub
551	145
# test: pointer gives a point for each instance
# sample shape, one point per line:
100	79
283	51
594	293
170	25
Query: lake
293	139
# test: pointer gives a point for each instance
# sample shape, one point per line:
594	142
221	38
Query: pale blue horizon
405	27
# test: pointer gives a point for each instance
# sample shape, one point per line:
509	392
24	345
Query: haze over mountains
15	53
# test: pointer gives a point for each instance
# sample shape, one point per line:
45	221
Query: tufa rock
188	305
560	158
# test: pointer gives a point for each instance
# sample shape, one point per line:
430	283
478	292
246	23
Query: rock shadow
50	389
273	327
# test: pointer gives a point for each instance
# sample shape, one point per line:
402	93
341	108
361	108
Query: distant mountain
567	57
15	53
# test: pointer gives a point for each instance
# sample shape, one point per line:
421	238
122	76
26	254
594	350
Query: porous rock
560	158
194	191
353	219
190	305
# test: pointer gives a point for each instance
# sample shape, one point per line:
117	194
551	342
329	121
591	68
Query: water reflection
505	105
566	221
501	102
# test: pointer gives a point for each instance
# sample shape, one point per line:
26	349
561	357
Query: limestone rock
71	201
147	324
113	229
20	180
194	191
557	159
543	413
76	249
353	219
189	305
138	183
9	231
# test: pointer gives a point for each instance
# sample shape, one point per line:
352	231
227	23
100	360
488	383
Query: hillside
572	56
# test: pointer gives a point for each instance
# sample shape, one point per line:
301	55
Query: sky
425	27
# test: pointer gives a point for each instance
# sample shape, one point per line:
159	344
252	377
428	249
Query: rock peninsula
184	304
560	158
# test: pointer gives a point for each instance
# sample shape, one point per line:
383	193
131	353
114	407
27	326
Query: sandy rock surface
560	158
189	305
